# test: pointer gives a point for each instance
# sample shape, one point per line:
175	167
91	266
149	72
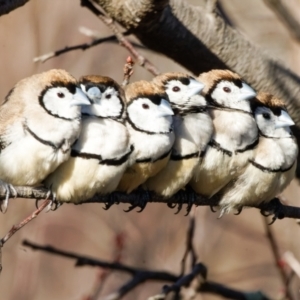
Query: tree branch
109	22
278	260
6	6
17	227
200	41
142	275
187	197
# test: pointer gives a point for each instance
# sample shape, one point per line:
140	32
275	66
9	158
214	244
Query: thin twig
83	47
189	246
180	198
278	259
142	275
17	227
128	71
141	60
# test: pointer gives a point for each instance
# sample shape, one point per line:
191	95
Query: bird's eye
226	89
145	106
108	96
61	95
176	89
266	116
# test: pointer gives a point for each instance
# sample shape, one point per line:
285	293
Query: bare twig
103	275
141	60
286	16
17	227
128	71
182	197
278	259
189	246
83	47
6	6
142	275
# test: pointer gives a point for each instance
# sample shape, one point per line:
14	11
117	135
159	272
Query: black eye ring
108	96
176	89
266	116
145	106
226	89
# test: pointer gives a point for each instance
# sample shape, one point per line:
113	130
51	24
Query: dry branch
110	23
278	259
6	6
142	275
181	198
201	41
17	227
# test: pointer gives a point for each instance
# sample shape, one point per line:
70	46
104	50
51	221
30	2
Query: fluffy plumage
39	121
149	122
274	162
100	156
235	131
192	127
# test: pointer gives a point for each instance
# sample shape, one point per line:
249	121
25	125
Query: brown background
235	249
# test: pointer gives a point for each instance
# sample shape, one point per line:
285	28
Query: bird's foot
184	196
212	208
53	205
238	210
142	198
9	190
181	196
111	200
272	208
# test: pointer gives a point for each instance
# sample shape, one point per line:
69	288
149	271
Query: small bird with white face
100	155
235	131
39	121
149	122
192	127
274	162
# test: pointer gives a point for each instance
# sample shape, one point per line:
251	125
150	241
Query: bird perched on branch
149	122
100	155
273	165
39	121
235	131
192	127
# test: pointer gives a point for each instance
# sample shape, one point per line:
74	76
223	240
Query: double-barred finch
273	165
100	155
149	122
235	131
39	121
192	127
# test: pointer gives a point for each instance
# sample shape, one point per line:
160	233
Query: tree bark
200	40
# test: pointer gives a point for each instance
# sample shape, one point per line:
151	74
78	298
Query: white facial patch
150	117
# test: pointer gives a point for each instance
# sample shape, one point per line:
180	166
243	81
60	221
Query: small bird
39	121
274	162
100	155
235	131
192	127
149	122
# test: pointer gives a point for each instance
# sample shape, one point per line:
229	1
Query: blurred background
235	249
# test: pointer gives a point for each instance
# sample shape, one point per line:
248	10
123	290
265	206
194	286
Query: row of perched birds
79	138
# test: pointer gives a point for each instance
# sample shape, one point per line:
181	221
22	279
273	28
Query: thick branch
200	41
6	6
